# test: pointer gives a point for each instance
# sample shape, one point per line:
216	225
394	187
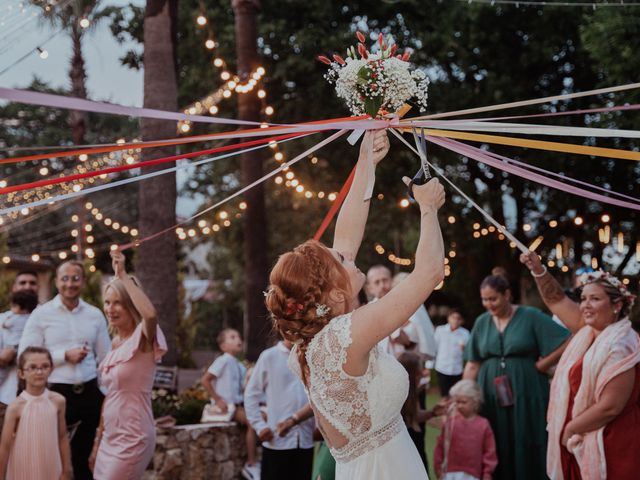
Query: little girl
466	448
34	442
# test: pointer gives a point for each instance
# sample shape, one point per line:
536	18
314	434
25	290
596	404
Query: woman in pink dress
126	439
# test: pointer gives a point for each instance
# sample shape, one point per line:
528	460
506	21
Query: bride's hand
380	144
429	196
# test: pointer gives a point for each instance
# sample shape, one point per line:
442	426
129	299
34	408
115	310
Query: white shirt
55	327
285	396
11	327
229	373
424	328
450	344
419	330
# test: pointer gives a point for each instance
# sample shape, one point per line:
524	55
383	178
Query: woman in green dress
509	350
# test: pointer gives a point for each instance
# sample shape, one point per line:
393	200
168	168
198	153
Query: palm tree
157	260
256	266
76	18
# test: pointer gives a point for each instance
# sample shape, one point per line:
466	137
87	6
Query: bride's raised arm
353	214
373	322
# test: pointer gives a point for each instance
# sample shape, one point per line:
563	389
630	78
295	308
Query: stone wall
198	452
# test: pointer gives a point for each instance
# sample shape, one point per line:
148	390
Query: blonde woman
125	441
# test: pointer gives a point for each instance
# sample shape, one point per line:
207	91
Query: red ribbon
336	205
95	173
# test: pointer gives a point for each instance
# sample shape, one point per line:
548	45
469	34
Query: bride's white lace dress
365	410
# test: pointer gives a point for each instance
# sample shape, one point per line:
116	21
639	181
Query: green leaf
372	105
364	73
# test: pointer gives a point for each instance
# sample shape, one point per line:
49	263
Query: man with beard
24	299
76	335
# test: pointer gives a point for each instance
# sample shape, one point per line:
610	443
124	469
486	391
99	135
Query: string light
553	3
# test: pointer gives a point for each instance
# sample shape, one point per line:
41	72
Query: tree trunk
78	88
157	259
255	230
78	124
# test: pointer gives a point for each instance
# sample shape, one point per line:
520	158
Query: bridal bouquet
376	83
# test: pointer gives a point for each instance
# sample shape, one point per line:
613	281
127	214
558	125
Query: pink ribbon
481	156
72	103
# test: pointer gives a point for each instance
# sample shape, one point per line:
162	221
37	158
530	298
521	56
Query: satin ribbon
537	144
524	128
501	228
335	206
122	168
126	181
335	124
524	103
281	168
585	111
72	103
480	155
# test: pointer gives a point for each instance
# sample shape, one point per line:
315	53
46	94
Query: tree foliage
476	55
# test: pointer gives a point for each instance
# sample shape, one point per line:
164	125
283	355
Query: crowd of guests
497	418
77	402
501	416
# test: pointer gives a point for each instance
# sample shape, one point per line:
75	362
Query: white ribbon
494	222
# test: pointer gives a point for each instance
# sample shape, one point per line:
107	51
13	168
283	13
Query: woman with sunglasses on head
594	410
356	390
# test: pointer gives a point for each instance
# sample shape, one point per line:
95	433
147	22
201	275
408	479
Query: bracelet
538	275
295	418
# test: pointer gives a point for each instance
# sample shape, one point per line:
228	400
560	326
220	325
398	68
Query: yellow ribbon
536	144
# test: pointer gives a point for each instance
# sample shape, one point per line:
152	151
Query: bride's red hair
300	281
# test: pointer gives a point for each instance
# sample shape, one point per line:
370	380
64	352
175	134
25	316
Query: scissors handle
418	179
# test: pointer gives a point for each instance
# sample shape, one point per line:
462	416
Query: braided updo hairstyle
300	281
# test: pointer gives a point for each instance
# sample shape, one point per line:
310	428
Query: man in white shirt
76	335
450	340
287	433
24	299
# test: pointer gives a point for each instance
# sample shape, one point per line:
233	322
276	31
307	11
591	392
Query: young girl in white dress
356	390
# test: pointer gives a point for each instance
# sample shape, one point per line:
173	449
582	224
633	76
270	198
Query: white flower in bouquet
379	83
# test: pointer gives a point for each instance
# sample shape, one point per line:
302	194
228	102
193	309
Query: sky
21	33
106	78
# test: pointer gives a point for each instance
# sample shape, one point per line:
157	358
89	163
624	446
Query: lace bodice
364	409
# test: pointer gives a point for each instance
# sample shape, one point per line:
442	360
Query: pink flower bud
394	49
324	59
405	56
362	51
360	37
380	39
339	59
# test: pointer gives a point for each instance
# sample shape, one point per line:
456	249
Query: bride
356	390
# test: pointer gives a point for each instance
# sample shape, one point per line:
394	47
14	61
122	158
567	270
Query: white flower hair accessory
601	275
322	310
